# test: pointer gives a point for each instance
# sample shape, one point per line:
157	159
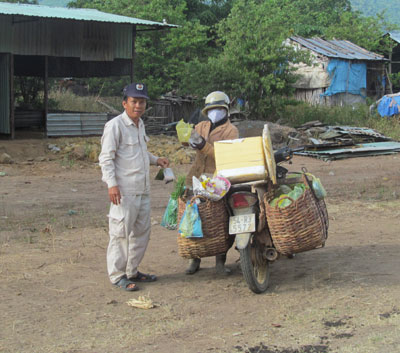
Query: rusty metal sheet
341	49
359	150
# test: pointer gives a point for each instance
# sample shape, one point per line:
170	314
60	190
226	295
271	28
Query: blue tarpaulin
346	77
389	106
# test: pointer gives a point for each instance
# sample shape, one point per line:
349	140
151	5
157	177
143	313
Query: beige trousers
129	229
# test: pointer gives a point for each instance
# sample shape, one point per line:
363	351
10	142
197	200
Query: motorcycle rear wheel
254	267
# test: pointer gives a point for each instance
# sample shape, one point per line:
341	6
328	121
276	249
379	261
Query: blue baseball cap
136	90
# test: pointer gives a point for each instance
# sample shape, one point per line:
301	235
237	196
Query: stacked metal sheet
340	142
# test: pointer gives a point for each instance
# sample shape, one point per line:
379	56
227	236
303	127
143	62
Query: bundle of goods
212	188
297	216
246	159
203	219
240	160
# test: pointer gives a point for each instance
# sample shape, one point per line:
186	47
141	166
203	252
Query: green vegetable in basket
284	200
284	189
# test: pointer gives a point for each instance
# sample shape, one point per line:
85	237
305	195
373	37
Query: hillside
372	7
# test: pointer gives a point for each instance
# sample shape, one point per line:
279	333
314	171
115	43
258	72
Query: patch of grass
68	101
67	161
88	149
376	339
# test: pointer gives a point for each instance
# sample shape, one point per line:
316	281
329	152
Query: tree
208	12
254	60
366	32
309	18
161	56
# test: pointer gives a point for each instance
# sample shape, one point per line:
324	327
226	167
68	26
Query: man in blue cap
125	164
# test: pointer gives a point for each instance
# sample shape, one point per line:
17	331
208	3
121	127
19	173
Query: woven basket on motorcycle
300	226
214	220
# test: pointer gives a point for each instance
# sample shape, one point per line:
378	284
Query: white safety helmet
216	99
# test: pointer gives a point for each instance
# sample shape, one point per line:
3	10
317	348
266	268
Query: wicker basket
301	226
214	220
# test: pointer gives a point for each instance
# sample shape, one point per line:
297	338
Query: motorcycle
249	226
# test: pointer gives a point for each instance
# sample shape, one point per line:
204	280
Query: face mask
216	114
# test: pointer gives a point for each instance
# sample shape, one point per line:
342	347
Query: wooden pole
390	82
12	114
133	53
46	92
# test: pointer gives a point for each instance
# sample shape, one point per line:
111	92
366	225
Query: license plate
245	223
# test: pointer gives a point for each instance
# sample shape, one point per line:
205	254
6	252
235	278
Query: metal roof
395	35
73	14
341	49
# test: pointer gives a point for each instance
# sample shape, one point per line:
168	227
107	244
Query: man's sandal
126	284
143	277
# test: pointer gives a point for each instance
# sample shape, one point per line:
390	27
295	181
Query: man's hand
114	195
163	162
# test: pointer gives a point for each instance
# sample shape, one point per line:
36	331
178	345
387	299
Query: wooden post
12	114
46	93
389	81
133	53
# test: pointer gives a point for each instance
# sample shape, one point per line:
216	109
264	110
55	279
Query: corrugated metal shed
75	124
73	14
90	35
6	44
85	40
341	49
28	119
395	35
44	41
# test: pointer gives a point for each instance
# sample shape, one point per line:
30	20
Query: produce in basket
286	195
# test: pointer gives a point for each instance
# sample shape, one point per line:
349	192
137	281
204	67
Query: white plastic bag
212	188
168	175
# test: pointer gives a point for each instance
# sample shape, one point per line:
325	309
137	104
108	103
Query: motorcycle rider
216	128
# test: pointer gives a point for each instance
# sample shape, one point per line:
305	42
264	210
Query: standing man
125	164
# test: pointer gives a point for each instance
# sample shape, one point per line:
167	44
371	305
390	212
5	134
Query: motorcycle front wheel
254	266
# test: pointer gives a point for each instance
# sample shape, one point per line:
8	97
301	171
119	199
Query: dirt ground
56	296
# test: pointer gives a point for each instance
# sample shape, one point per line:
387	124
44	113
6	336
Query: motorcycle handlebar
286	153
